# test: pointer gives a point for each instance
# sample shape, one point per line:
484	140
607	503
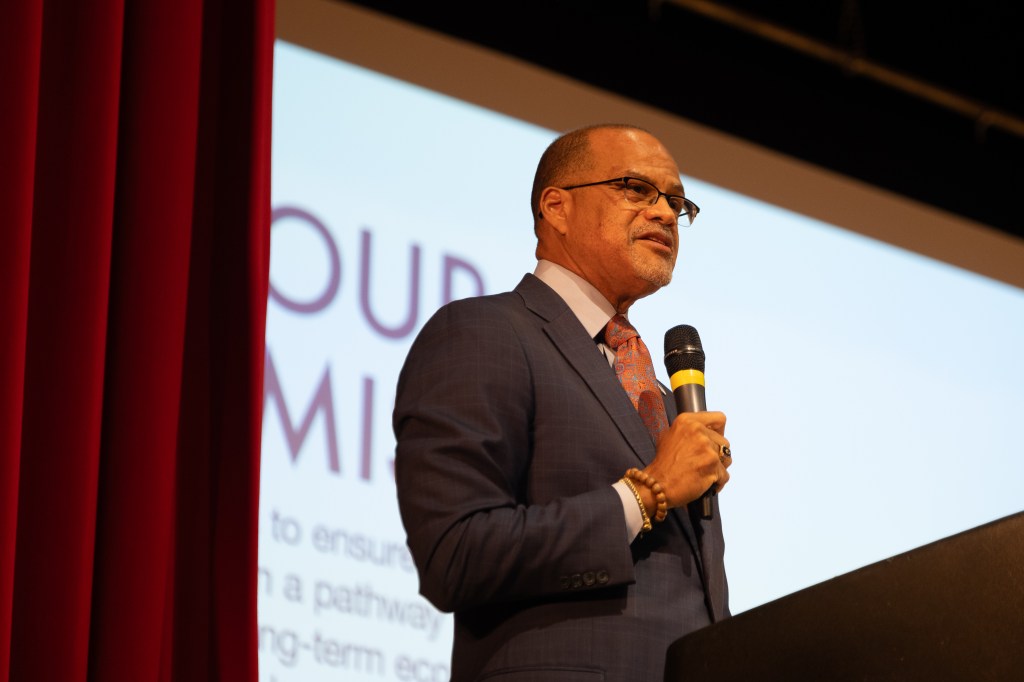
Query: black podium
950	610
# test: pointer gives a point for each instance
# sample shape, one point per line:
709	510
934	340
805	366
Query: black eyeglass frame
687	204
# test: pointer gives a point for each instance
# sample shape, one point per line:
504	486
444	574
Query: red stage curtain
134	255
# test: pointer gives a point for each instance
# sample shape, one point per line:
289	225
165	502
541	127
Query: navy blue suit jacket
511	430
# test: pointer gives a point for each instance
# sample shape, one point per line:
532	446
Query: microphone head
683	349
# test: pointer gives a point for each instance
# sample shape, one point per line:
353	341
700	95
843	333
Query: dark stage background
923	99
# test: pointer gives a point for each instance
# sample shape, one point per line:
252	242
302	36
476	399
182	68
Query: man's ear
554	207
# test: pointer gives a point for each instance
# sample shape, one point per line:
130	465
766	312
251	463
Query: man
515	435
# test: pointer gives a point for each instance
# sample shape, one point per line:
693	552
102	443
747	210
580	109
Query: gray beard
659	274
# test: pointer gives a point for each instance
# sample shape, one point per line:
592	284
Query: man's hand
690	459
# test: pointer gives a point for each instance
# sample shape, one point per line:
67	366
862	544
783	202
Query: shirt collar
588	305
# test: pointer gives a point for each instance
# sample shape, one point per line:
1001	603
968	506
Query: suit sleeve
464	423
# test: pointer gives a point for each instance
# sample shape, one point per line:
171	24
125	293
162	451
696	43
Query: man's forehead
632	149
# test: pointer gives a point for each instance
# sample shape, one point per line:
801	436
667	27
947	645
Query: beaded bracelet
648	481
639	501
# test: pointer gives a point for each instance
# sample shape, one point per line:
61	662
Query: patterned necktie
635	370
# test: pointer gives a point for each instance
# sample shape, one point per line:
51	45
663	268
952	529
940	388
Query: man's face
626	251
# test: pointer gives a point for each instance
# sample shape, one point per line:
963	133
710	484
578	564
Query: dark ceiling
700	59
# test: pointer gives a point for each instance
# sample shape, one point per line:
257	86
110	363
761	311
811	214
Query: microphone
684	360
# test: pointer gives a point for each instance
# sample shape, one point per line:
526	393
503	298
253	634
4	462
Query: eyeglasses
642	193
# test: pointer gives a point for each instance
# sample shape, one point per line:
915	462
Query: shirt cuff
631	511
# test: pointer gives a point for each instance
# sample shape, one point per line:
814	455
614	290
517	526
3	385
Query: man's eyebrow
675	189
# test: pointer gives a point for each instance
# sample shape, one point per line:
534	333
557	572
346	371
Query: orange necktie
635	370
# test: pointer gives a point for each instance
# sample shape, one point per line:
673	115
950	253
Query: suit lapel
580	351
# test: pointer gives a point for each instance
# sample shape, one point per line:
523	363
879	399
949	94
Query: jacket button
577	581
602	577
589	578
563	582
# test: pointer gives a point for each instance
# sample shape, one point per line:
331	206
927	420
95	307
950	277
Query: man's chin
660	282
658	274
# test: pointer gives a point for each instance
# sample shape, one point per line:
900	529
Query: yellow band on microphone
687	376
